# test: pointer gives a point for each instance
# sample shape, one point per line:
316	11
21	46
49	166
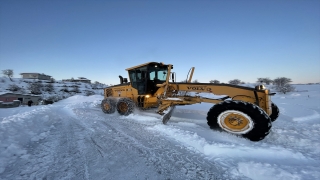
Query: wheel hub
123	107
106	106
235	122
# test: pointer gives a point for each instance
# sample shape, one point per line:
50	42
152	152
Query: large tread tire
125	106
275	112
108	105
257	120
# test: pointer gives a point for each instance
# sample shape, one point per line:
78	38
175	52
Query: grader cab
238	110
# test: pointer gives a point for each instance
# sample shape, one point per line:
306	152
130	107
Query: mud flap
167	114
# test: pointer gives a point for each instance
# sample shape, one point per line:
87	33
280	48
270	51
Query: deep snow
74	139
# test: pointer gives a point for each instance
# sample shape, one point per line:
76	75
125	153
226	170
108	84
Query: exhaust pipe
121	79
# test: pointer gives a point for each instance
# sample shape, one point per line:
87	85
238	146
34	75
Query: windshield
158	73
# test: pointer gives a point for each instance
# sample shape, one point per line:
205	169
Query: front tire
125	106
240	118
108	105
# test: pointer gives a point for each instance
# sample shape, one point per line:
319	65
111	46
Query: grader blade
167	114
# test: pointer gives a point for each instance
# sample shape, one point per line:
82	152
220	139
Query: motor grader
239	110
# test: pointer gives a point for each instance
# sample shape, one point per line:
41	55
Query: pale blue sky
224	40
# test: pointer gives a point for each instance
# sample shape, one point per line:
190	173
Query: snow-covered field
74	139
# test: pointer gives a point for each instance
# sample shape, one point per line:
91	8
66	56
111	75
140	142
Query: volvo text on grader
240	110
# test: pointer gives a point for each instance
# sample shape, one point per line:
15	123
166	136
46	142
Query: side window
162	75
139	76
132	76
133	79
152	75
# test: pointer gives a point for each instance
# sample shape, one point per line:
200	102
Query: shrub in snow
88	93
14	88
235	82
266	81
282	85
94	86
52	80
54	98
49	87
285	88
35	88
64	89
75	89
215	82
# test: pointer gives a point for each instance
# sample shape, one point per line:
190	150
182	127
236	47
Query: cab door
139	79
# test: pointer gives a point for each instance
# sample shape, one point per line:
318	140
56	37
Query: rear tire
275	112
108	105
125	106
240	118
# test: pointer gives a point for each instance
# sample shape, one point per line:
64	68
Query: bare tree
267	81
215	82
195	81
282	84
8	72
235	81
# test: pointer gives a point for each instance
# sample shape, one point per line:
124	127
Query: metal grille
109	92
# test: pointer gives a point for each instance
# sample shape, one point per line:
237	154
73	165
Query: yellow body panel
229	91
169	93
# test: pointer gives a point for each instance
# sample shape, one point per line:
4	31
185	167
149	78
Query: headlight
260	87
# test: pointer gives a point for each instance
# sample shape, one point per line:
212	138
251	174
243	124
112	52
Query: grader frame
237	107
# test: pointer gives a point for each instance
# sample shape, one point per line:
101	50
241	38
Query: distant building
80	79
35	76
24	98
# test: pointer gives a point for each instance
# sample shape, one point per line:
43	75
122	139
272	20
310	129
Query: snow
74	139
173	99
58	92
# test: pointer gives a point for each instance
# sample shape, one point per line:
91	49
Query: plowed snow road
87	144
74	139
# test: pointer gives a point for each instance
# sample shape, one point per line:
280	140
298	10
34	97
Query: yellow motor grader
238	110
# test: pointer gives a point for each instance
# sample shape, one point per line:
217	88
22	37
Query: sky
223	40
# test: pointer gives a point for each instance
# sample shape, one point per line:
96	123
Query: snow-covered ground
74	139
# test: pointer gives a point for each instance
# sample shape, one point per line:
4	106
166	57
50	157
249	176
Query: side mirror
172	77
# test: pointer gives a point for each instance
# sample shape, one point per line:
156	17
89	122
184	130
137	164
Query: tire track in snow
163	154
58	155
